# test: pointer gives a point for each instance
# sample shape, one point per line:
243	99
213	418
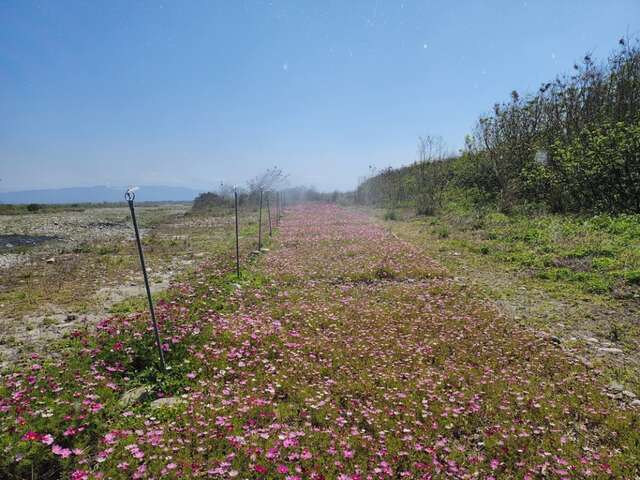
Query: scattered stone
635	403
132	396
585	362
556	340
8	260
628	394
616	387
591	340
167	402
71	317
50	260
609	350
263	249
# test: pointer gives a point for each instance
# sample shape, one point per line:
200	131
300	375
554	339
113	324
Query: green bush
633	277
598	171
390	215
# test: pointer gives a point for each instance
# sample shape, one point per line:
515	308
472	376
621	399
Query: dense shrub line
573	146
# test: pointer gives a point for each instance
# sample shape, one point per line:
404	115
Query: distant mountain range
99	194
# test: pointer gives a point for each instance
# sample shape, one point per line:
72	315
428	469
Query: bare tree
432	174
271	179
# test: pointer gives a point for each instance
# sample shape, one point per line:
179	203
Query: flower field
343	353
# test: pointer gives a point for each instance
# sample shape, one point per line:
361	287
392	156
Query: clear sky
191	93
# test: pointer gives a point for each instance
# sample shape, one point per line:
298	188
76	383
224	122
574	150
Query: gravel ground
34	245
8	260
37	234
69	228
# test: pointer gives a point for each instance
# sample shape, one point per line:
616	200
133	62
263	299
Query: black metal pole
130	197
260	224
235	194
269	213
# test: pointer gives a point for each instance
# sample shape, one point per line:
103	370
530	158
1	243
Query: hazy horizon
192	94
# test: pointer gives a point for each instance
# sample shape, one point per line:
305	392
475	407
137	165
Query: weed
443	231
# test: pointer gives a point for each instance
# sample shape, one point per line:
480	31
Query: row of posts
130	197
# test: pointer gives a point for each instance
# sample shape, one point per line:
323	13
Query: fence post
130	197
269	212
260	224
235	195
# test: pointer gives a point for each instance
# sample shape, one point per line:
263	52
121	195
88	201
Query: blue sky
192	93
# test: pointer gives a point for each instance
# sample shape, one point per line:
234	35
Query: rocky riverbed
66	270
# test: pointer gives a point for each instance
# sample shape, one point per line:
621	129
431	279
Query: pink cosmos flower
47	439
103	455
272	453
289	442
61	451
283	469
31	436
140	471
79	475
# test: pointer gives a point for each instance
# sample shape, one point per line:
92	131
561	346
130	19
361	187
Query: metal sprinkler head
130	194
